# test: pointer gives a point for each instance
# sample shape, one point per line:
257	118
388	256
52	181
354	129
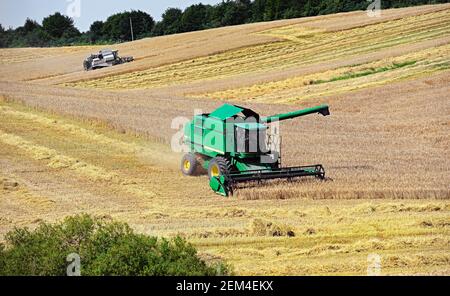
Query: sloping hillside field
99	142
300	45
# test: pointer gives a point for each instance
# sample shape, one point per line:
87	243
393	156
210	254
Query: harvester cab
235	145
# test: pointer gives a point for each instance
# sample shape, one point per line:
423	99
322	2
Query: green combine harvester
233	144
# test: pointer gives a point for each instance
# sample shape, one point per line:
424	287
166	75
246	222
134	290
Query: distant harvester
104	58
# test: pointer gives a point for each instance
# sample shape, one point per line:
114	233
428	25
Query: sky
13	13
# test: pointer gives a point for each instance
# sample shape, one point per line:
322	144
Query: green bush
105	247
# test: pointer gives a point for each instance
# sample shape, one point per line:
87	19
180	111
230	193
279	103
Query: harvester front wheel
218	166
87	65
189	164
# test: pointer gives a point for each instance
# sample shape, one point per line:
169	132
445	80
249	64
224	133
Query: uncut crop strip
342	79
302	46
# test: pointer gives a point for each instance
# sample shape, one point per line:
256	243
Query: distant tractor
233	144
104	58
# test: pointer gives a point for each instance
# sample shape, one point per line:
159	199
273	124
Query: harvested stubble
294	236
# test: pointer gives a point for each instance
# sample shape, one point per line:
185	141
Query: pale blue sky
13	13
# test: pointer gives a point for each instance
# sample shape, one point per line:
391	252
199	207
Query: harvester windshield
250	137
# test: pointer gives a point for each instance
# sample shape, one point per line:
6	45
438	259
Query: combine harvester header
233	144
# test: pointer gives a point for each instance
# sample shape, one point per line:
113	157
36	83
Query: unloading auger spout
322	109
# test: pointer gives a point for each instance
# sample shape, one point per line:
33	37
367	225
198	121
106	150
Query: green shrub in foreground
104	247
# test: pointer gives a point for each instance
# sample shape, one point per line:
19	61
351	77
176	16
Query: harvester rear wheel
189	164
218	166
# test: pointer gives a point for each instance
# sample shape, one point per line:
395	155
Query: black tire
189	164
87	65
220	163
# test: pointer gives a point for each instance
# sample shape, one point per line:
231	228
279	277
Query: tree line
59	30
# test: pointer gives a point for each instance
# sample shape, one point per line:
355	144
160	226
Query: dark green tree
236	12
143	24
294	9
158	29
30	25
96	32
271	10
214	15
29	28
312	7
2	37
194	18
57	25
37	38
258	9
117	26
171	21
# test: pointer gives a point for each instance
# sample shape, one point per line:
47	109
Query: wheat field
303	46
99	142
46	176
